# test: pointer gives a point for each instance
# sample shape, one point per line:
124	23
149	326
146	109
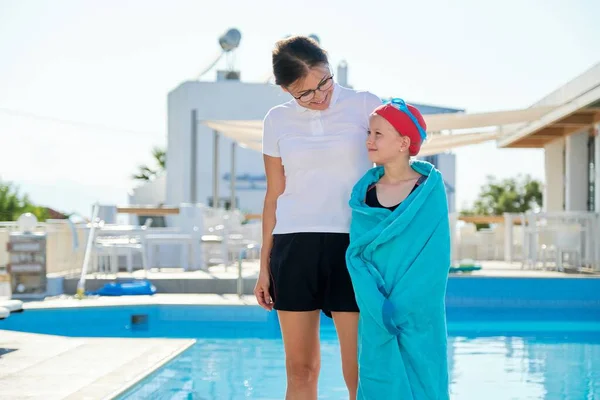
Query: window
591	173
224	202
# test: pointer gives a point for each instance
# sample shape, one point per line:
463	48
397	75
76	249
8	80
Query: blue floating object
128	288
465	268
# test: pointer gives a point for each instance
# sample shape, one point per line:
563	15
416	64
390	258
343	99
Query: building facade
568	133
194	149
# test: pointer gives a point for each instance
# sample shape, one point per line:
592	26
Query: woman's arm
275	187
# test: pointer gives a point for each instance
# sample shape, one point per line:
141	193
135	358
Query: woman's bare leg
300	331
346	325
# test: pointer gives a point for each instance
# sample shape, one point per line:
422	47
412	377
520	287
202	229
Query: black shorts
308	272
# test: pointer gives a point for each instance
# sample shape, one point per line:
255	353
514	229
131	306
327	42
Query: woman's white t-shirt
323	154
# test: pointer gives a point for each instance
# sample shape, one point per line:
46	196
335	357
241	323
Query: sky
84	84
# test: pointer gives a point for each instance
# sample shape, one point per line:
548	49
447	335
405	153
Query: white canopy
248	133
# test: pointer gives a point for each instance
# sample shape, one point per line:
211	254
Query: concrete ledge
129	374
157	299
50	367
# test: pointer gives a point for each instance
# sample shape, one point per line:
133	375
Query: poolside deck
223	280
46	367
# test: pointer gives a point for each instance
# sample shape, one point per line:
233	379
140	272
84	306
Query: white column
232	181
508	237
216	177
178	188
554	188
576	172
453	217
194	157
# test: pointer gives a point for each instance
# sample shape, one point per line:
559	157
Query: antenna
342	74
229	42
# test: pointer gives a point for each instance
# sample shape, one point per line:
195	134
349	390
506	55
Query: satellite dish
315	38
230	40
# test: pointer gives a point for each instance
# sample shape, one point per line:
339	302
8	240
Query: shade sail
448	121
248	133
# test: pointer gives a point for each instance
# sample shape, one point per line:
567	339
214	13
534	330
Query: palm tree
160	155
146	173
12	204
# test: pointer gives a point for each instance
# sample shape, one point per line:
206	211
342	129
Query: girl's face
384	143
314	91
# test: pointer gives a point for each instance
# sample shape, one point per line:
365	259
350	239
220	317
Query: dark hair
294	56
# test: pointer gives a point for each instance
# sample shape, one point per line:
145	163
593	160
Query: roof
573	107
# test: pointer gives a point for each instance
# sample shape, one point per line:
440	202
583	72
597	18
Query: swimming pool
513	341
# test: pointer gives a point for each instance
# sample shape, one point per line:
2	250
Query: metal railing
549	236
242	255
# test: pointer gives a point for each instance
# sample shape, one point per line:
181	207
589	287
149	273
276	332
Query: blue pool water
239	352
508	339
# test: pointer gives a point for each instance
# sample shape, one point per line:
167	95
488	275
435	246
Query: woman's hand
275	187
261	290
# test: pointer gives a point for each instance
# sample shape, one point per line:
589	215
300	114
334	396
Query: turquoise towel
398	262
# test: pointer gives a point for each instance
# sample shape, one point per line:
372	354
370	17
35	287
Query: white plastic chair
568	242
113	241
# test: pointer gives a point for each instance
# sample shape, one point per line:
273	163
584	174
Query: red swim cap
396	113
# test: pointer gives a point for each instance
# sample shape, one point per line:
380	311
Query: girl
314	153
398	259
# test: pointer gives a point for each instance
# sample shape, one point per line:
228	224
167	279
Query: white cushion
11	305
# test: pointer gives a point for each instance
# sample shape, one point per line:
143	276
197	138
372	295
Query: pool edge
141	375
144	300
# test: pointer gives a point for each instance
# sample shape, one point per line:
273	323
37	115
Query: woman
398	258
314	153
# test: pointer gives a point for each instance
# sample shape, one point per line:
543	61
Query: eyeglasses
310	94
399	104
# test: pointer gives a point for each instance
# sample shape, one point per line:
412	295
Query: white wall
214	100
554	189
576	171
150	193
447	166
